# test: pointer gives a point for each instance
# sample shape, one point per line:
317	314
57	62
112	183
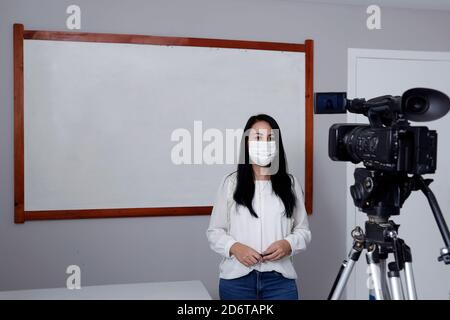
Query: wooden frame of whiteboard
20	34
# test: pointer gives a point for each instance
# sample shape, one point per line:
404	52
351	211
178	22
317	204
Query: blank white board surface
98	119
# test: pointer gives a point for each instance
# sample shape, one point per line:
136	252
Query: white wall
36	254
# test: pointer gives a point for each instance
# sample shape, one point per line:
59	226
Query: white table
179	290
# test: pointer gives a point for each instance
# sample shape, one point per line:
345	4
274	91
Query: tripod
377	254
381	234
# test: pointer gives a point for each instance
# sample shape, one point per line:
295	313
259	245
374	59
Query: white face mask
262	152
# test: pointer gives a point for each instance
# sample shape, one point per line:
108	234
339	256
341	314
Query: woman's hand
277	250
245	255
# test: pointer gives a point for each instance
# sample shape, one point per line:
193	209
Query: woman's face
262	147
261	131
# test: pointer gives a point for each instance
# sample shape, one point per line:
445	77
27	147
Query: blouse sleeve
218	238
300	235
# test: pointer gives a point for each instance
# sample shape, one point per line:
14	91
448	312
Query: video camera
394	153
389	143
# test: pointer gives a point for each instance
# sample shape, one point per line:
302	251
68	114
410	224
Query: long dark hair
282	182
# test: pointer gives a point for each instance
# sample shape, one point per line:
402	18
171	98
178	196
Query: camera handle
423	184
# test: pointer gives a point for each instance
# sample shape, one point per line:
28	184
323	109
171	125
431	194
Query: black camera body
400	148
390	143
389	147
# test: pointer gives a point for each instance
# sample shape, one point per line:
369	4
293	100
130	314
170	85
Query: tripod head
381	194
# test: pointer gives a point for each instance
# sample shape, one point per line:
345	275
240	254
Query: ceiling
410	4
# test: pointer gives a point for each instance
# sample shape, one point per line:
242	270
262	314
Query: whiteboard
98	119
379	72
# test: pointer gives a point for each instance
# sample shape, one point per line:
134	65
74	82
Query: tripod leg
409	276
396	285
403	261
374	264
383	274
410	284
348	264
344	273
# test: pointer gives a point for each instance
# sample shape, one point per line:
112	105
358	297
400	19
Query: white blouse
231	223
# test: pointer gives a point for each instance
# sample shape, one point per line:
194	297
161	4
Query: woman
259	220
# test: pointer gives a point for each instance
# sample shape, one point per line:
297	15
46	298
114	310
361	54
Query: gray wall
36	254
